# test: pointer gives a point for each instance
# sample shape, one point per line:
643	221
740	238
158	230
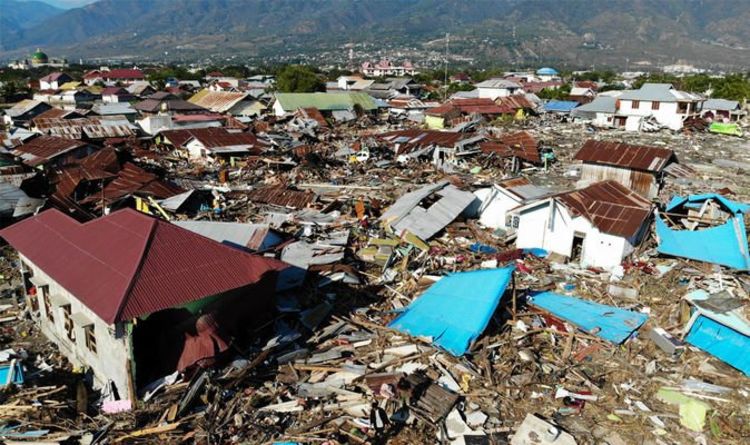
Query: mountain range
712	33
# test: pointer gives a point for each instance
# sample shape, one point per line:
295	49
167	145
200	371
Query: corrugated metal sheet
128	264
520	144
641	157
94	127
217	101
251	236
406	214
281	196
610	207
44	148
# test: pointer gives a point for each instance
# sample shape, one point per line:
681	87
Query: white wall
195	149
278	109
493	93
666	114
110	362
494	207
598	250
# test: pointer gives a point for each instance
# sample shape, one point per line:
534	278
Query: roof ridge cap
137	271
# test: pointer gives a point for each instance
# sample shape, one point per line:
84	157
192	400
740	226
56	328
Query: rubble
409	292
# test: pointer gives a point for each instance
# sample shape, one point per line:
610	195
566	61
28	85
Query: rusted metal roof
609	206
42	149
218	101
133	180
56	113
213	137
92	127
314	114
467	106
128	264
415	139
122	73
520	144
281	196
639	157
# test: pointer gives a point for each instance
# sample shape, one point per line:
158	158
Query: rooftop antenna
445	80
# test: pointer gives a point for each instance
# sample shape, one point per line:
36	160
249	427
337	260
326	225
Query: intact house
640	168
53	81
600	112
497	200
228	102
668	106
386	67
721	110
212	144
341	106
116	94
132	298
597	226
494	88
123	76
24	111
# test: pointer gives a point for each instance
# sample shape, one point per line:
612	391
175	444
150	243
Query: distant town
377	251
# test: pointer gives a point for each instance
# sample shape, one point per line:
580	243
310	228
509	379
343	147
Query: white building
386	67
100	294
668	106
494	88
597	226
498	200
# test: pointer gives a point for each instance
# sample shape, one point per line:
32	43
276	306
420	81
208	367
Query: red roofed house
125	76
211	144
597	226
638	167
133	298
53	81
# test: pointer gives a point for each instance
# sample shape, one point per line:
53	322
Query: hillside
15	16
572	32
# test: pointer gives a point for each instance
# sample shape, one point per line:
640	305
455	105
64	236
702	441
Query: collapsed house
132	298
637	167
520	148
597	226
446	148
427	210
708	228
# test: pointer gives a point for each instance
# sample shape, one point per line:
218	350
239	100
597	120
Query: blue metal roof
547	71
456	310
608	322
560	106
726	244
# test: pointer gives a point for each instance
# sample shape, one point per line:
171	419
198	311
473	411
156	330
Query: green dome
39	56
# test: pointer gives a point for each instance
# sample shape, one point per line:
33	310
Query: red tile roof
638	157
609	206
128	264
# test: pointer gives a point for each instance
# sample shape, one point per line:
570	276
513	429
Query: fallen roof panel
456	310
608	322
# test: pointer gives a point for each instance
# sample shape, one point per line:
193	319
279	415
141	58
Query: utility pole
445	79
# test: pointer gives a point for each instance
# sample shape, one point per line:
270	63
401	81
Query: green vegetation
561	93
298	79
732	86
596	76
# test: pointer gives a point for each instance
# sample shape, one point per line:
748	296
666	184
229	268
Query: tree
298	79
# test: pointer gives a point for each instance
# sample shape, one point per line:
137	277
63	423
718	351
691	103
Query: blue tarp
560	106
614	324
17	377
722	342
726	244
456	310
725	335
